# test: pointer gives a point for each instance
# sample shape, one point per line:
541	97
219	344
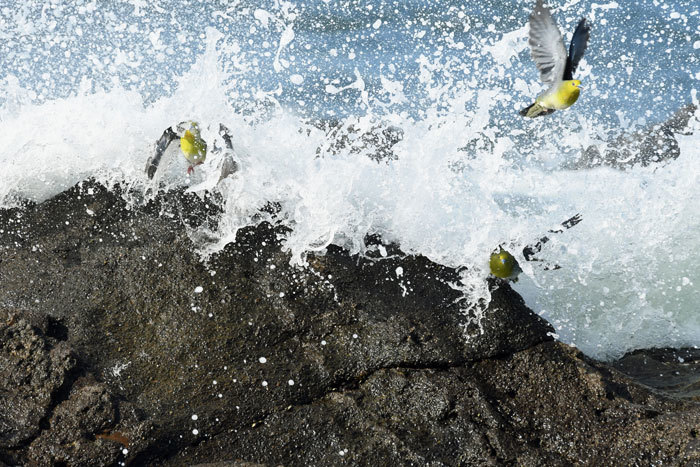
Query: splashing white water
465	180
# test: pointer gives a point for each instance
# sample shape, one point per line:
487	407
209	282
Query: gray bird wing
162	144
546	45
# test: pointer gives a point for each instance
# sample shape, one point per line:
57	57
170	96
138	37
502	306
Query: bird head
577	83
502	264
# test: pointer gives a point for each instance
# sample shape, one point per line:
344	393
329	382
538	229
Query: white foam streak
621	284
628	271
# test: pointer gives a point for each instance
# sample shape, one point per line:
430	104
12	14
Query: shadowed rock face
674	371
31	371
654	145
377	142
119	345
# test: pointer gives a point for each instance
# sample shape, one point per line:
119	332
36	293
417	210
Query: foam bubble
467	176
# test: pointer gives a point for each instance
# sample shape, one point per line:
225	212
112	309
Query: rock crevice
120	345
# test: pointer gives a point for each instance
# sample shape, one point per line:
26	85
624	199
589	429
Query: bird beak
579	86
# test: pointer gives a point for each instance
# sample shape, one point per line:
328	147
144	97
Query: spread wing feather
546	45
579	42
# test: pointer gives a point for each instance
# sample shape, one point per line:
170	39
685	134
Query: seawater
89	86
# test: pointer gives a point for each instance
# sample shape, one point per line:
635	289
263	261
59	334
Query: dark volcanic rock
33	368
570	410
546	405
377	142
653	145
141	353
674	371
73	426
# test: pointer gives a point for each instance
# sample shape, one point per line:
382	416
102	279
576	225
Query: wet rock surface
118	345
674	371
655	144
32	370
376	141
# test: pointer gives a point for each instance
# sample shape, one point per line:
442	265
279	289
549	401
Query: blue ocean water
643	56
90	85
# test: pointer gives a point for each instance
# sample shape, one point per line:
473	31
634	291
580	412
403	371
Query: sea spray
466	176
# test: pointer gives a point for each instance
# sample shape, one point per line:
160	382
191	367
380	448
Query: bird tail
535	110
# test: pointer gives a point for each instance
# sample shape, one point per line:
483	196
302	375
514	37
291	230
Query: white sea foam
466	179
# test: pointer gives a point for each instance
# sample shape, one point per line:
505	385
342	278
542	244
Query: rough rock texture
674	371
655	144
119	345
376	142
32	370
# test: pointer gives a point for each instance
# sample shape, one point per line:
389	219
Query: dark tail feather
538	111
526	110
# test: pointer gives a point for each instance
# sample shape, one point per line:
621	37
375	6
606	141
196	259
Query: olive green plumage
556	67
503	265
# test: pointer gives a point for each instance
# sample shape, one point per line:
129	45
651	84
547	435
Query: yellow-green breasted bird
555	66
504	265
193	147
